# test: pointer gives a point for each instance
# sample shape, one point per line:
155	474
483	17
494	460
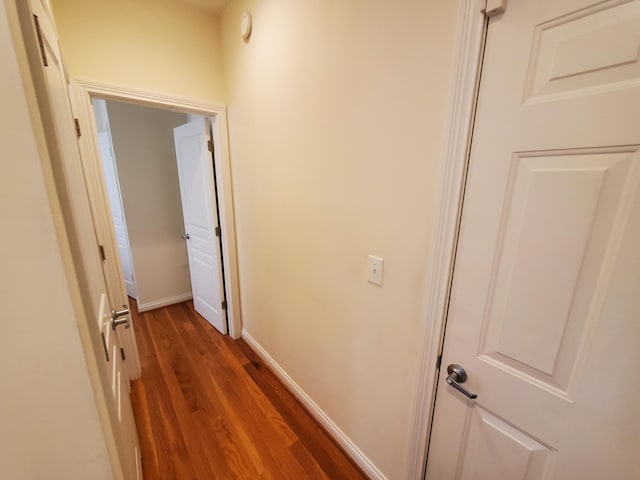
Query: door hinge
102	255
43	52
210	145
439	362
494	7
122	354
218	231
224	304
78	132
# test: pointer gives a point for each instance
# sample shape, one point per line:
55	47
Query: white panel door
117	211
62	144
199	207
544	312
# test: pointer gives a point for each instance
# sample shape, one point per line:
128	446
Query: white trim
145	307
471	29
118	92
82	92
320	416
227	223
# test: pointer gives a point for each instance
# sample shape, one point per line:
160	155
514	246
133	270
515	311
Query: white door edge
103	222
453	167
106	136
82	92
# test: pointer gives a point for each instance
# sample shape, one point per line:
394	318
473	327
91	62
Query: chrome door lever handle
115	314
186	236
457	375
122	321
120	317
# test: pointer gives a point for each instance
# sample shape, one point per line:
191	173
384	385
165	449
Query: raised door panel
556	229
592	49
207	299
496	450
196	197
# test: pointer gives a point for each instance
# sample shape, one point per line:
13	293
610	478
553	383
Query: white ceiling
215	6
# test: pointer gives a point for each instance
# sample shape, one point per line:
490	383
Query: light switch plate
374	268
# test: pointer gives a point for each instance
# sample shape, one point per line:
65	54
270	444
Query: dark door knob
458	375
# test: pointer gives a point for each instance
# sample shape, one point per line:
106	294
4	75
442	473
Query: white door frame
471	33
82	91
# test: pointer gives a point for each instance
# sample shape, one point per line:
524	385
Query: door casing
471	32
82	92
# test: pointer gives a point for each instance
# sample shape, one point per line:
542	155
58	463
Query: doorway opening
87	98
160	176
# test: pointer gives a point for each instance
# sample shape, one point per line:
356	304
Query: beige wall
49	425
161	45
336	118
145	156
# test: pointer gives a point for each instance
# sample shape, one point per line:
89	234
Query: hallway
207	408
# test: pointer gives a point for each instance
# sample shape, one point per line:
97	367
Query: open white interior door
112	387
545	304
117	211
199	206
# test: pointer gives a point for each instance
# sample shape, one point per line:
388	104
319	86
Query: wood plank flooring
206	408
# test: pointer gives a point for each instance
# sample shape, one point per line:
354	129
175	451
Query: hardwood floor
207	408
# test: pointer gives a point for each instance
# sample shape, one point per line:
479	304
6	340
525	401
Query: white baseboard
144	307
322	418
